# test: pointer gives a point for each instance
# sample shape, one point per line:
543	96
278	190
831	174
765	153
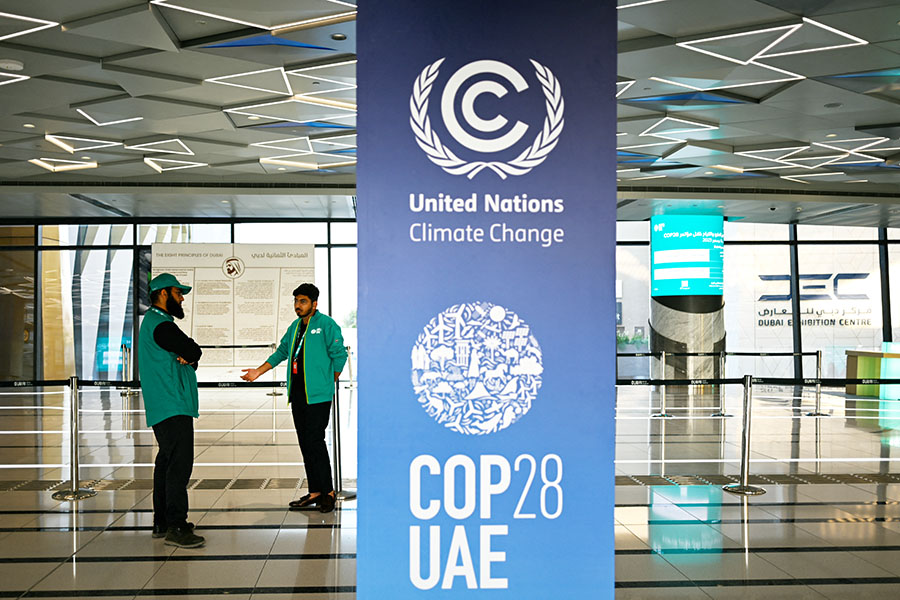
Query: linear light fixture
638	3
625	85
273	145
695	127
281	161
99	124
55	165
60	140
854	41
800	178
727	168
788	76
253	110
289	91
167	4
301	70
779	159
156	164
42	25
13	78
634	147
148	147
788	30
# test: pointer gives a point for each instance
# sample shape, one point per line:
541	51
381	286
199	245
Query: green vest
169	388
323	354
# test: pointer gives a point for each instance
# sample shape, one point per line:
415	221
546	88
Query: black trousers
174	463
310	421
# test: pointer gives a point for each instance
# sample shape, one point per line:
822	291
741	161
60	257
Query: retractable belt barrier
619	354
76	492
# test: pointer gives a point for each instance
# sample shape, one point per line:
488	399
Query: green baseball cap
167	280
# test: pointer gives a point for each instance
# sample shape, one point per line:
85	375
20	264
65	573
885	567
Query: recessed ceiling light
28	125
224	201
85	158
708	173
282	168
11	64
833	105
831	135
253	118
200	22
338	37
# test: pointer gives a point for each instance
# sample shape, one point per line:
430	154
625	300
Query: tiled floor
833	532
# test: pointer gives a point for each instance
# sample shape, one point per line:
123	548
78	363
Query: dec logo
818	289
464	87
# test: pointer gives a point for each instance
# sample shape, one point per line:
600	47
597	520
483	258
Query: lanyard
303	337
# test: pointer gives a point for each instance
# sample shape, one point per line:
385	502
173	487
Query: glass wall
88	303
840	302
758	309
17	327
840	284
87	300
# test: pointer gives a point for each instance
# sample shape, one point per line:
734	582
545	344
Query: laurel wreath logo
442	156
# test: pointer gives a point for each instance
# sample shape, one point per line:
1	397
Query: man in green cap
167	364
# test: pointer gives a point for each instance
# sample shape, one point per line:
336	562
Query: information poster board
687	255
241	294
487	314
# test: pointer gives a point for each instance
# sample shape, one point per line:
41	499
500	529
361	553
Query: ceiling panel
706	88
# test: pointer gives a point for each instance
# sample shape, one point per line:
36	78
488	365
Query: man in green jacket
167	361
317	355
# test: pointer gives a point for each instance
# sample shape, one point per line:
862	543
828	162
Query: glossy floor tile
828	526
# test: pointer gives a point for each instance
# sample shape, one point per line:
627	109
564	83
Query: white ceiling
747	101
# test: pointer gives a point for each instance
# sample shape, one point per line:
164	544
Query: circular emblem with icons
460	91
476	368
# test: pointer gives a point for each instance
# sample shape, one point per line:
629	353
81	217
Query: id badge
294	368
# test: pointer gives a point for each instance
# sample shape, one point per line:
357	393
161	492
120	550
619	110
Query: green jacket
169	387
323	355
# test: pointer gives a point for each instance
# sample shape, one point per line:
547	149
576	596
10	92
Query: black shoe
183	537
305	503
160	531
326	503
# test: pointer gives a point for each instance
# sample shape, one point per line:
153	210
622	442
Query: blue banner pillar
486	208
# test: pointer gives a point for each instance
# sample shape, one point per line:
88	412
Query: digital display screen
687	255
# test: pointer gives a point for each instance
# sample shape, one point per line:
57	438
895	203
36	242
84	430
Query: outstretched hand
250	374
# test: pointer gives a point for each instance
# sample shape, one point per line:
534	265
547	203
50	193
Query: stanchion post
274	391
818	412
339	490
721	412
75	493
744	488
662	414
350	385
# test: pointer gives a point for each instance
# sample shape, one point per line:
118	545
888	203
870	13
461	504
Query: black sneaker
326	503
183	537
160	531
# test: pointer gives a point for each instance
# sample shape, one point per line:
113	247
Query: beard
174	308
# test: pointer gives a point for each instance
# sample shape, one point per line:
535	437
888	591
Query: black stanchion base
79	494
661	416
744	490
721	414
817	414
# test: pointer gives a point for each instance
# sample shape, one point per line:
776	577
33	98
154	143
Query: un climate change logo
476	368
442	156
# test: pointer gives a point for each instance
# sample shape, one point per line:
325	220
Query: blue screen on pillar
686	255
